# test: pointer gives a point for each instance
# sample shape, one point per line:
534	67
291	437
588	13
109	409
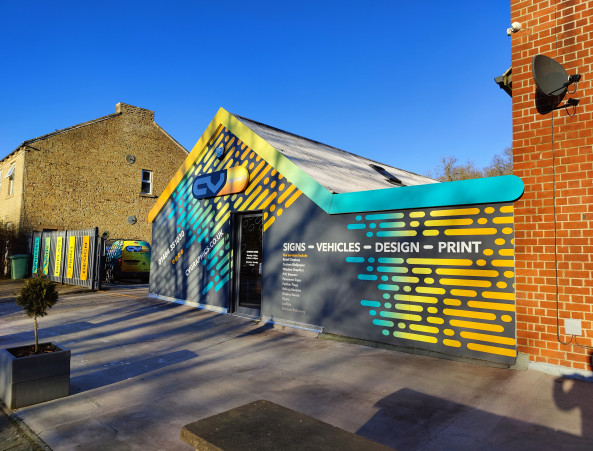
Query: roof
83	124
505	81
338	181
58	132
335	169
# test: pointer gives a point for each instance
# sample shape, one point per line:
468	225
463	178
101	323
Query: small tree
37	295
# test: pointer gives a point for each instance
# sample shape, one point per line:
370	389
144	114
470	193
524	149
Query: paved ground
14	434
143	368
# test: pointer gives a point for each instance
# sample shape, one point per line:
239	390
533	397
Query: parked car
127	259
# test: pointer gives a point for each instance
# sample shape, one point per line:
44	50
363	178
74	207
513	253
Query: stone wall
84	177
11	205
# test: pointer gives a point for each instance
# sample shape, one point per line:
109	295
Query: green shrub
36	297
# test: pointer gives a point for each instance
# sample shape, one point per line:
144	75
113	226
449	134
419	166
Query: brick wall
544	144
79	177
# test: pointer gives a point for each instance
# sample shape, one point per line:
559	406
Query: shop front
247	228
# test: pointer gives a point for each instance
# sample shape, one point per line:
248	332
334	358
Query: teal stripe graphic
382	322
381	217
487	190
396	269
387	287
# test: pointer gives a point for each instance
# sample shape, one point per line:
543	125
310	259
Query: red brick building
553	155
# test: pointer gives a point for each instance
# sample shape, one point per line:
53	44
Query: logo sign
220	183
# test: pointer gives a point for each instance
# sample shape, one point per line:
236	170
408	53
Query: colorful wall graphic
192	253
440	279
427	267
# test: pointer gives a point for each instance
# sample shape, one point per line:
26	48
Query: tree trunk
36	337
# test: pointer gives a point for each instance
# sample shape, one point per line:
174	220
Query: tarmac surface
143	368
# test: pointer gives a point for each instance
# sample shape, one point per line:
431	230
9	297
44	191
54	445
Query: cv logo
208	185
220	183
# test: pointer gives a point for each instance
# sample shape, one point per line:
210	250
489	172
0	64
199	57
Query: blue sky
401	82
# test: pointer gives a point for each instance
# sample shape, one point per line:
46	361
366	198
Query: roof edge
295	175
370	160
304	182
185	167
506	188
67	129
28	142
170	137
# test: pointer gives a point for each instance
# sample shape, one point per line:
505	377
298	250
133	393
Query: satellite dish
552	83
131	159
549	76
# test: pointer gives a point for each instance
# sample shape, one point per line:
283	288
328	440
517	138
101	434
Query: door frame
236	240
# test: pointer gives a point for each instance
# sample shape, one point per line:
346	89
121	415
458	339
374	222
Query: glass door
249	263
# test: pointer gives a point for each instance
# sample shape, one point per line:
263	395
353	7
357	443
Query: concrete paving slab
269	426
143	368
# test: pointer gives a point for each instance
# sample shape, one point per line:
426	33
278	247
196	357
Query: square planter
33	379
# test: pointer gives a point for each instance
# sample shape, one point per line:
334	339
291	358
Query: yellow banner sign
84	259
71	248
58	262
46	256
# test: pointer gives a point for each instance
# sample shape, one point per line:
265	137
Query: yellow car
127	259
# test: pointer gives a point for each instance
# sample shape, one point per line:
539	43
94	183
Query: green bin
18	266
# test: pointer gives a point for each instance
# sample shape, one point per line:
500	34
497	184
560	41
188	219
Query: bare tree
501	164
449	170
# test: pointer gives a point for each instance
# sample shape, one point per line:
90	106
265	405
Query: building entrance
249	263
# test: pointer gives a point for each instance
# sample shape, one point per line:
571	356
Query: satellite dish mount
552	83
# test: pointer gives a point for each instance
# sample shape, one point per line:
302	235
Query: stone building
104	173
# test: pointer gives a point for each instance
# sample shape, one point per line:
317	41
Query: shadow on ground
117	371
410	420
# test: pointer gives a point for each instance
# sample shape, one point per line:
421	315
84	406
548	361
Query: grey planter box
33	379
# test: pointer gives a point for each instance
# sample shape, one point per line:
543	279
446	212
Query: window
388	176
10	177
146	182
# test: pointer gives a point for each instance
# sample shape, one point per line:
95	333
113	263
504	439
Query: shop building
266	224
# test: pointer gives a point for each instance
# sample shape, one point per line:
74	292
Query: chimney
124	108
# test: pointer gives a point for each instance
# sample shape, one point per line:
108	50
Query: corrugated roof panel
337	170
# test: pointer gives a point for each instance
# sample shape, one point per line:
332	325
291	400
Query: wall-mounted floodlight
515	26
